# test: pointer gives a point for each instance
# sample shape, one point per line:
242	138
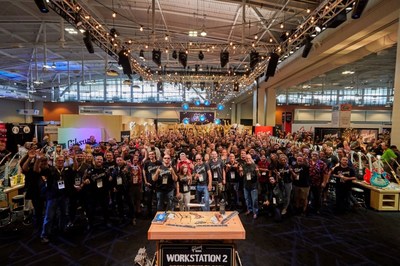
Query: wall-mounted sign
28	112
80	136
197	254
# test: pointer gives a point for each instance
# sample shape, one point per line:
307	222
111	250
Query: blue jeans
251	198
202	192
50	215
165	196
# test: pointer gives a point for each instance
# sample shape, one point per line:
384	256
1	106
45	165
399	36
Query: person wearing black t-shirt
59	185
344	175
301	183
149	169
165	178
96	184
202	176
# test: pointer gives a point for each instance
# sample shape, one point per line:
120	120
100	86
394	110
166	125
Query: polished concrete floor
361	237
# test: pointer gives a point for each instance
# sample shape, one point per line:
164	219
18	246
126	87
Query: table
10	193
382	199
192	238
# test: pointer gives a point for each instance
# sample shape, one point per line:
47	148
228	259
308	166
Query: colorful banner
71	136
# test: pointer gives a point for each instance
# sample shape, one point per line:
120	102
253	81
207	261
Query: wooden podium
197	238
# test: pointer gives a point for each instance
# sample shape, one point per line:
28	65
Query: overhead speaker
160	86
174	54
307	46
337	20
183	58
123	60
273	62
42	5
87	40
358	8
156	56
254	59
224	57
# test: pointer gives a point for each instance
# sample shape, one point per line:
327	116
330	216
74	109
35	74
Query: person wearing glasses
218	174
202	175
149	169
249	171
165	178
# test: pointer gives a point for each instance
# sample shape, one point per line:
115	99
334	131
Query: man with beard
149	169
218	176
59	185
96	183
344	175
202	175
165	178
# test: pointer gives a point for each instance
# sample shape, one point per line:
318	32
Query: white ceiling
31	38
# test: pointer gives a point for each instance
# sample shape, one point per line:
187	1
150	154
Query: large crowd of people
108	182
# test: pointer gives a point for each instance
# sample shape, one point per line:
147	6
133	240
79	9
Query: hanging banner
341	115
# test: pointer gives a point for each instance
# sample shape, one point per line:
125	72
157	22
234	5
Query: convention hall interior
126	68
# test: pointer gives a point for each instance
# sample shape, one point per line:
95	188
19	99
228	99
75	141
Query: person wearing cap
152	147
184	161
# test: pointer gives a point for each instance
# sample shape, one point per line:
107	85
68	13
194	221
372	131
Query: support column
233	113
271	107
262	106
255	106
238	112
395	135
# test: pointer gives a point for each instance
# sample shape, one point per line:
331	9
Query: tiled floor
363	237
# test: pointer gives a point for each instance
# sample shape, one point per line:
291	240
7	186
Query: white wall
9	114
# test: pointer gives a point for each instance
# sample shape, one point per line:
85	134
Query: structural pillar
233	113
259	106
271	107
238	113
395	134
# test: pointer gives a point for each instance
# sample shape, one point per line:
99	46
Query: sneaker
44	240
284	211
248	213
134	221
255	216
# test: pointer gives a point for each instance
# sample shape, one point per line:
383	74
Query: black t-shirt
302	171
165	183
150	168
202	170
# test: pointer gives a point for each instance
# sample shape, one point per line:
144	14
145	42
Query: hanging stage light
224	58
185	106
42	5
201	55
183	58
217	121
156	57
186	121
220	107
174	54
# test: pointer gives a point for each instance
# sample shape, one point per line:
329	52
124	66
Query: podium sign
173	254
